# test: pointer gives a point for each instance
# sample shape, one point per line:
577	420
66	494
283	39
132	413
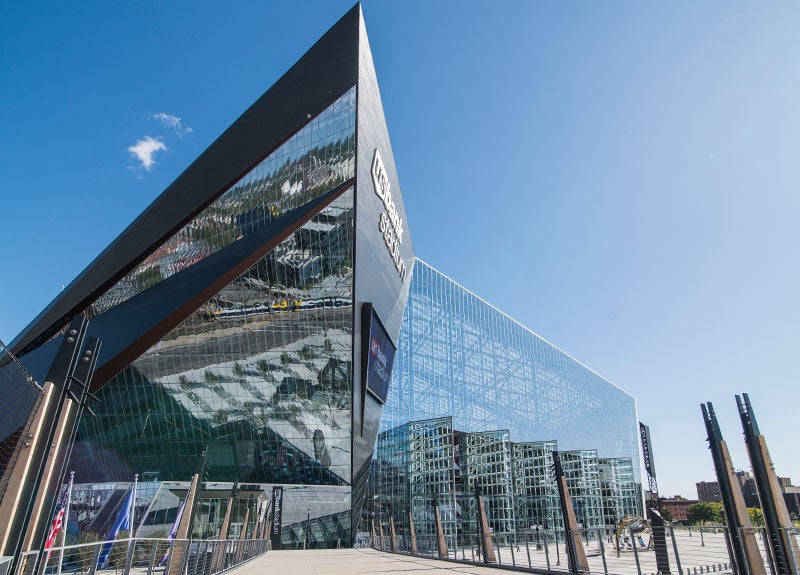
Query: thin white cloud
143	151
173	123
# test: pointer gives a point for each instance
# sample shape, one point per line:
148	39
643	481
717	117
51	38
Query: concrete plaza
353	562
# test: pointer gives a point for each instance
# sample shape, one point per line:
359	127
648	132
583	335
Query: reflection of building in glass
425	460
462	358
620	494
535	491
232	326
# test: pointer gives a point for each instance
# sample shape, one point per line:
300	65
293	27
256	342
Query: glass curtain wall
485	460
620	497
259	377
536	500
583	481
416	465
459	357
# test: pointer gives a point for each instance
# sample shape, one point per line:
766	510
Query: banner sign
277	516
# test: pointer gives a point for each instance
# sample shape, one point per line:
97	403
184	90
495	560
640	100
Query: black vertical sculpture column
659	542
776	516
746	557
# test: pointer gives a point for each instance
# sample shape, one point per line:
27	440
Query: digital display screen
380	357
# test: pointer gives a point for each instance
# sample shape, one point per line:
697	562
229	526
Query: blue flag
173	533
121	523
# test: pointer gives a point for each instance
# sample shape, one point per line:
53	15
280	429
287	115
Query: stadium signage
390	223
277	516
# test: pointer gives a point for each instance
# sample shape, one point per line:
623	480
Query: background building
709	491
677	506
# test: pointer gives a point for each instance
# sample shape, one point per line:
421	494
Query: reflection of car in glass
213	312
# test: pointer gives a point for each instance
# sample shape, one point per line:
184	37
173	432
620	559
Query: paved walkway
352	562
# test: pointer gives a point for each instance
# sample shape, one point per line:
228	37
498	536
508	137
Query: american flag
55	528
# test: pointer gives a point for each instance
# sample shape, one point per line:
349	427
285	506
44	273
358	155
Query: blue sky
620	177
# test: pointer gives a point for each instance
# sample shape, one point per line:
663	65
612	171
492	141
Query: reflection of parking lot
231	340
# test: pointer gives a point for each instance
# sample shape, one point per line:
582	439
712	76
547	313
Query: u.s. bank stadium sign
390	223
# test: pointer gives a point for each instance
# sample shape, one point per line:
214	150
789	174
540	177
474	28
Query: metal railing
689	551
143	556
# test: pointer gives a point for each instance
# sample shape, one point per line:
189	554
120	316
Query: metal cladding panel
377	277
323	74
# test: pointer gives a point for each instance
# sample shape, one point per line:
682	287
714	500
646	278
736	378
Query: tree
719	513
666	514
703	513
756	516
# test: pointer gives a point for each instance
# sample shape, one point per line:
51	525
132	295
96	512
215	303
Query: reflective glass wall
460	358
457	355
259	377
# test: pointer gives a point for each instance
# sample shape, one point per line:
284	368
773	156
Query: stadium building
266	319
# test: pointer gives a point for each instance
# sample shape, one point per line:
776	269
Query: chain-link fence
689	551
21	395
141	556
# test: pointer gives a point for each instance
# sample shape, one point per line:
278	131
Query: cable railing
689	551
143	556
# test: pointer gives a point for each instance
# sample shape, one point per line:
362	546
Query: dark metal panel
377	279
323	74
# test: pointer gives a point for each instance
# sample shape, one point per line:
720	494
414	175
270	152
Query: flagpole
65	521
132	522
133	506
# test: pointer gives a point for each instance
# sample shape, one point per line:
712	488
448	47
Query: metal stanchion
602	552
768	550
636	555
558	552
675	549
528	550
546	551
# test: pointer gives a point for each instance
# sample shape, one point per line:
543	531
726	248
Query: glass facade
313	161
260	376
459	356
583	481
536	502
463	367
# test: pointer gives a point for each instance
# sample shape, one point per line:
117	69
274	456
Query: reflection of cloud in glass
314	160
